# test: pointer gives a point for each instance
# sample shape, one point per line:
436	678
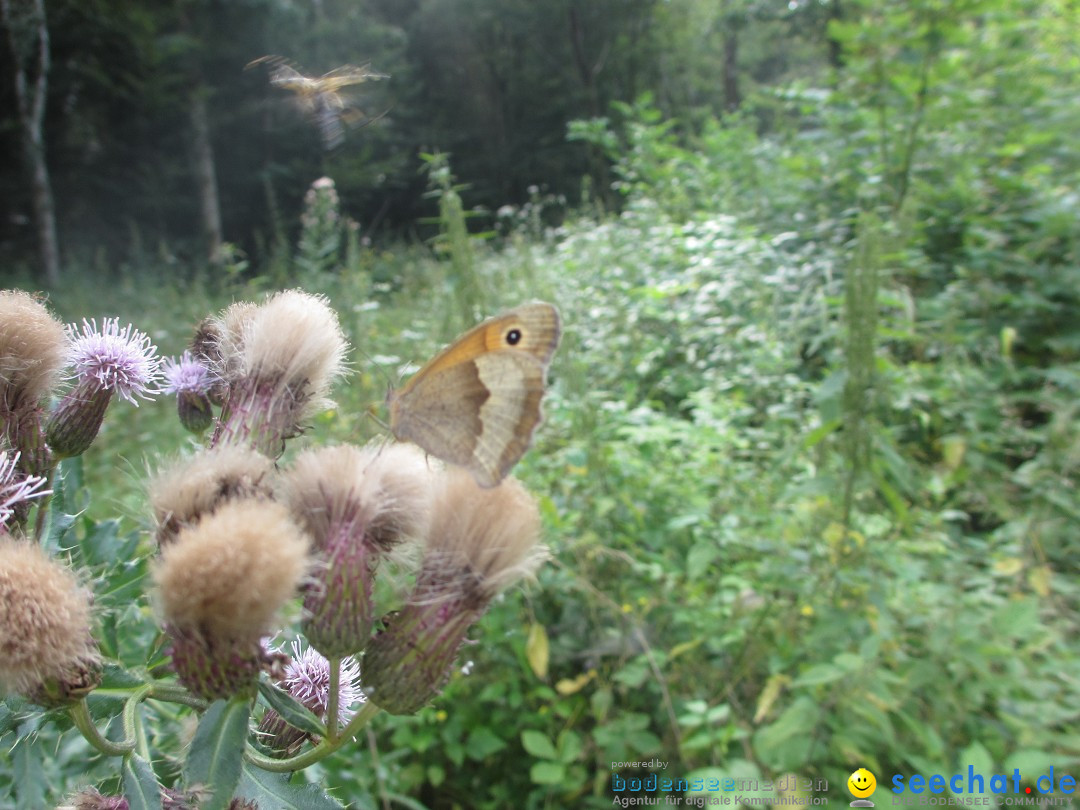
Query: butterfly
321	97
477	402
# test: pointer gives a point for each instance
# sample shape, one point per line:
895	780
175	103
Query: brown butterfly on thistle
476	404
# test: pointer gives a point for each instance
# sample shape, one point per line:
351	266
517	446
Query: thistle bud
222	583
356	504
32	345
479	542
279	364
49	654
106	360
188	490
192	381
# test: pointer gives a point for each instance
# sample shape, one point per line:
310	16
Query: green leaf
786	744
601	703
436	774
570	746
8	718
634	673
218	749
819	674
977	757
66	481
1018	618
117	684
538	744
1033	763
547	773
701	556
483	742
141	787
821	432
274	790
28	777
291	710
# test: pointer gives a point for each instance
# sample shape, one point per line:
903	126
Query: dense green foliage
809	468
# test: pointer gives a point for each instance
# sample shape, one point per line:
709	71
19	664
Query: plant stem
174	693
333	697
320	751
43	507
80	716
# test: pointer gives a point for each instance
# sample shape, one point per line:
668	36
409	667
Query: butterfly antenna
390	383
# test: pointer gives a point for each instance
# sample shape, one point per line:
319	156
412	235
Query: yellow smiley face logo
862	783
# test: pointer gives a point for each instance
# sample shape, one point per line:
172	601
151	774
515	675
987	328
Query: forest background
809	468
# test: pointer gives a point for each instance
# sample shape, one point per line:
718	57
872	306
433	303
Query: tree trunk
26	23
206	176
836	50
732	94
587	73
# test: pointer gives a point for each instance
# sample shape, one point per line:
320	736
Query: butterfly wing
509	416
477	403
479	415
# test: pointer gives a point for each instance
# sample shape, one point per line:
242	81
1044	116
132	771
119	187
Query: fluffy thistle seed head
280	362
222	583
381	491
229	574
295	337
32	346
490	537
219	341
479	542
357	504
46	645
190	489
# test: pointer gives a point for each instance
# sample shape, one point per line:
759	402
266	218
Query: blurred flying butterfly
324	98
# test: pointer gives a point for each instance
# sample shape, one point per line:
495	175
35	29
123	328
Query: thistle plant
319	248
243	547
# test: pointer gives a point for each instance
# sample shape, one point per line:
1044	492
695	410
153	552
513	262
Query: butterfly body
477	402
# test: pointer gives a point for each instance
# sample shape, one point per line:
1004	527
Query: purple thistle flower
191	380
105	361
187	375
122	361
16	488
307	678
